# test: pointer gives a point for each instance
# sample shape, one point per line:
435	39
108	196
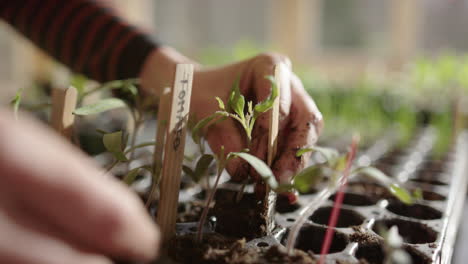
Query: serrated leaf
267	104
99	107
401	193
16	101
131	176
308	177
202	166
113	144
263	170
197	129
220	103
236	100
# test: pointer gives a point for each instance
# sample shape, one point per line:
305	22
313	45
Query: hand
57	207
300	120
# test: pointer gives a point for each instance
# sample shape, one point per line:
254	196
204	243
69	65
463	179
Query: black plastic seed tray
428	227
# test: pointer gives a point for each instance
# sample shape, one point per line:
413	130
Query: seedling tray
428	227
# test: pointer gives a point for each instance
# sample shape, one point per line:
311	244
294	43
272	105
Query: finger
254	78
303	130
65	187
263	90
28	246
226	134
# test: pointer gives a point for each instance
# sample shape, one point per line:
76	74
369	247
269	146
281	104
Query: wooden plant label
63	105
280	76
174	150
163	116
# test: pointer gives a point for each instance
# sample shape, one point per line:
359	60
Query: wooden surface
174	150
63	105
163	116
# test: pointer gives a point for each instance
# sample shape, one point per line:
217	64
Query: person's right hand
57	207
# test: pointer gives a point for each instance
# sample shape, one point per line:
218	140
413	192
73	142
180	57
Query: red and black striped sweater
82	34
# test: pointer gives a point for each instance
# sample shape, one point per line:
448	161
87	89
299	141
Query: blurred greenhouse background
371	65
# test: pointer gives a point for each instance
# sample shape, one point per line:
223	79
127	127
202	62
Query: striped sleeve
82	34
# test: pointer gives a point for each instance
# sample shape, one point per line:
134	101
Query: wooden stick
63	105
174	150
163	116
270	196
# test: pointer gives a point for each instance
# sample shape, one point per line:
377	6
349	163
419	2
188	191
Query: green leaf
418	194
99	107
132	88
307	178
237	101
141	145
339	164
131	176
100	131
113	144
15	102
79	81
267	104
188	171
401	193
220	103
303	151
330	154
285	188
202	165
375	174
260	166
197	129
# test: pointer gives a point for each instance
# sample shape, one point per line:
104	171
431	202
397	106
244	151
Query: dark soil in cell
242	218
417	211
371	253
417	257
434	165
372	190
200	195
385	168
374	254
216	249
428	182
284	206
356	199
432	196
347	218
412	232
364	237
311	239
190	211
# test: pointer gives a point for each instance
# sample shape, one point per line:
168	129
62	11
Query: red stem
338	202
